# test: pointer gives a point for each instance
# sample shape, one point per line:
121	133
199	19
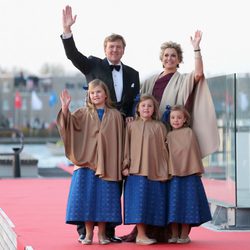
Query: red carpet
37	208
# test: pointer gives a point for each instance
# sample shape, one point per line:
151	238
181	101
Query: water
41	152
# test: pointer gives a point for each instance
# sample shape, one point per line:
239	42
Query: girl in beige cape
146	167
93	140
187	201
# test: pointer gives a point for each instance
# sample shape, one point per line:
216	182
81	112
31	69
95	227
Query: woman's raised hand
196	39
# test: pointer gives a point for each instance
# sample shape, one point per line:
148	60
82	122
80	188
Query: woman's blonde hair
186	114
172	45
91	86
144	97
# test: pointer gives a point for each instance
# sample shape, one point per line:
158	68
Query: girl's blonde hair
91	86
144	97
186	114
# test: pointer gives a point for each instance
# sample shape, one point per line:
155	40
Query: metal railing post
16	163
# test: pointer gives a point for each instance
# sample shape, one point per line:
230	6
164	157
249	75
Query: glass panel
243	140
219	178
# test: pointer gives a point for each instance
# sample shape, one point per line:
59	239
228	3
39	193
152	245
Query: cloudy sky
30	32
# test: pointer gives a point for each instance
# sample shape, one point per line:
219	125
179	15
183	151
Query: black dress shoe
115	239
81	237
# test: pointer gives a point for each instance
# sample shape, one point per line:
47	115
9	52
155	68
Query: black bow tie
116	67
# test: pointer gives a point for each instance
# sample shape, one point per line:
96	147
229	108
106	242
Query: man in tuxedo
122	80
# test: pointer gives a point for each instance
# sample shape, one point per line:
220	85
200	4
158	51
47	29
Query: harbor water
46	158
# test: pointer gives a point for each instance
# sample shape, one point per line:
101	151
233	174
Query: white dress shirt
118	82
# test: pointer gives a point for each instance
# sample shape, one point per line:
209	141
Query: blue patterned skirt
144	201
93	199
187	201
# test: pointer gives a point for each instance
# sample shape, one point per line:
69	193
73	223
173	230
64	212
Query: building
32	103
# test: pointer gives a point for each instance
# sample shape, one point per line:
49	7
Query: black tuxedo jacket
96	68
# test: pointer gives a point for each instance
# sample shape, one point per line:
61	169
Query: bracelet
197	50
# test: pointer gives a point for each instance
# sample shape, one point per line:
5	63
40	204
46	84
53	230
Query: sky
30	32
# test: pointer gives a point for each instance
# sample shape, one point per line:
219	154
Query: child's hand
125	172
65	99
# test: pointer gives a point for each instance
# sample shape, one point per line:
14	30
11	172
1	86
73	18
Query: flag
52	99
36	103
18	100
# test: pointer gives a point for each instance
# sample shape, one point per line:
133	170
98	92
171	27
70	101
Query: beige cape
204	121
92	143
184	153
145	150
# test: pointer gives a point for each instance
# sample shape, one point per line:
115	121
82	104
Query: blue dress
145	201
92	198
187	201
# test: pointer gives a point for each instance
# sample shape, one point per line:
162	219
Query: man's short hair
114	37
